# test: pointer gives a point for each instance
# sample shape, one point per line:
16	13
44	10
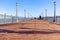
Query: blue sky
34	7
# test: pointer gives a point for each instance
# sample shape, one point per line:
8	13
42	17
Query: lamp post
45	14
28	15
16	11
24	13
54	20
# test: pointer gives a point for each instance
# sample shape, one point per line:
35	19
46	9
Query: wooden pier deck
30	30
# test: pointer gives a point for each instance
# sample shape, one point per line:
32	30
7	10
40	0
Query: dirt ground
31	30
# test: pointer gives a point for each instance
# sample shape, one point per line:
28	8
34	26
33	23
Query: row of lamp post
54	18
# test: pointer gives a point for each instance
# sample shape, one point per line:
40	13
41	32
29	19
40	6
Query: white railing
4	19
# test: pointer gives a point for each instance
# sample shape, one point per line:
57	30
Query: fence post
11	18
4	17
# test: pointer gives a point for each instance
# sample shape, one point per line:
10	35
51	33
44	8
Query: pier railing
4	19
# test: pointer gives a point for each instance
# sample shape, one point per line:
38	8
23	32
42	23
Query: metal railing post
4	17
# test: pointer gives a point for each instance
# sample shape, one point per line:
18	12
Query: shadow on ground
48	31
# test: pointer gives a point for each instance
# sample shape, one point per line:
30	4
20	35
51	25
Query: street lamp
45	14
24	13
16	11
54	20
